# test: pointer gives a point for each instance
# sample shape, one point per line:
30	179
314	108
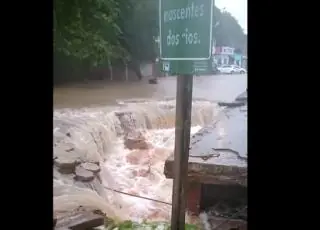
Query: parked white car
231	69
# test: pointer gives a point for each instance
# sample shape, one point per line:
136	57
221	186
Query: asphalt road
215	87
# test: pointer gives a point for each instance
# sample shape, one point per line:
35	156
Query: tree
87	29
98	31
143	30
228	32
140	27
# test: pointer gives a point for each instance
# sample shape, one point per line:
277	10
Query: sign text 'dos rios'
185	29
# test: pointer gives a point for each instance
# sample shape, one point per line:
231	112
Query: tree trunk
135	65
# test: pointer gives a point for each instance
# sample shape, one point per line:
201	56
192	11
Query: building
244	62
224	55
228	56
238	59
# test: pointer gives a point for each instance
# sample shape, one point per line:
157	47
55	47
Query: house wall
222	55
238	59
222	59
244	62
227	50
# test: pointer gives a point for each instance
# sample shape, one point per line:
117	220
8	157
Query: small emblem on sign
166	66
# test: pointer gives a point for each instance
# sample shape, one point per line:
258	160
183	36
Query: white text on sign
190	12
187	37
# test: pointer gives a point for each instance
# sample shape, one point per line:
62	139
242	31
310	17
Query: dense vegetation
91	33
228	32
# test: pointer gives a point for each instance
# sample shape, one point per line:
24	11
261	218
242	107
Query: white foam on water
96	135
134	178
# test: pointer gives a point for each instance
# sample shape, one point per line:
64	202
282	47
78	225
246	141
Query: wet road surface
216	87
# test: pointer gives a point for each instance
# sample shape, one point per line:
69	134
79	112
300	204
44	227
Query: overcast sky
238	9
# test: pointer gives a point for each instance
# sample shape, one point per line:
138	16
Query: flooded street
92	123
216	87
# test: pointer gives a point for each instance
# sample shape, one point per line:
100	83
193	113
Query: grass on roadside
129	225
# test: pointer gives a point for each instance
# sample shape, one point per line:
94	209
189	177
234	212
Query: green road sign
204	67
185	29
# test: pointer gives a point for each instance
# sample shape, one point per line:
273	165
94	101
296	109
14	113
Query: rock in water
91	167
83	174
138	157
65	164
135	141
135	144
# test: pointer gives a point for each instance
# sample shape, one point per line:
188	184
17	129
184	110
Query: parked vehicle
231	69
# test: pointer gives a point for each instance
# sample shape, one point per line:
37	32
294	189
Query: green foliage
139	21
228	32
101	30
87	29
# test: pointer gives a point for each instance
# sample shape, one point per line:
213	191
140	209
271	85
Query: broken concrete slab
231	104
227	134
67	149
91	167
218	153
135	140
65	164
83	174
239	101
80	221
242	97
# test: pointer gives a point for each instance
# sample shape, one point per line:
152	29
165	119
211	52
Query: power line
141	197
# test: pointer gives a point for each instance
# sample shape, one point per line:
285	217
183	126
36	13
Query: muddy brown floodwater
217	87
90	122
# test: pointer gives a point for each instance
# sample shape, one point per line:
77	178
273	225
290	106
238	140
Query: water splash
96	135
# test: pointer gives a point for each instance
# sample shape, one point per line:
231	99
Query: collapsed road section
217	167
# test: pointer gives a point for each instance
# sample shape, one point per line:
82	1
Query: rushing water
89	114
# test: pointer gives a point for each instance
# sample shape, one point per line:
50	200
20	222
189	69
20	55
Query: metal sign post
185	36
181	150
